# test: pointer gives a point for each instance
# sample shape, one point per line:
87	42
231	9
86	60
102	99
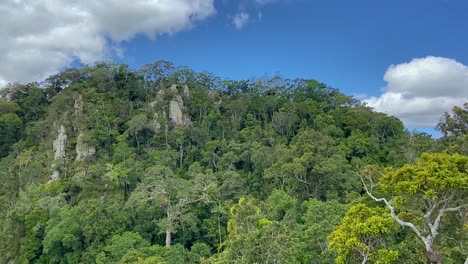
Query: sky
406	58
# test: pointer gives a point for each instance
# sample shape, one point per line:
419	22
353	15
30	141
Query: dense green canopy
106	164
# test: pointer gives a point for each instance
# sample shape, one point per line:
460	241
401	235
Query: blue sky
346	44
349	45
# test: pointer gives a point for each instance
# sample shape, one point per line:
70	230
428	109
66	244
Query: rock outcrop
176	107
175	111
83	151
78	106
55	175
155	122
59	145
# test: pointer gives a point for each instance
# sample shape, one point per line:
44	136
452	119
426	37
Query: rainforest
164	164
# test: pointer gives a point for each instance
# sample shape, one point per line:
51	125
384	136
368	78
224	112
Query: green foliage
7	106
63	239
29	98
318	221
119	245
454	128
361	236
424	195
456	124
10	132
433	177
253	238
262	171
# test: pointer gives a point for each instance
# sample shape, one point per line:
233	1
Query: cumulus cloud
240	20
420	91
41	36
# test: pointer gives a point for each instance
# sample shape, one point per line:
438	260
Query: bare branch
435	226
393	214
430	209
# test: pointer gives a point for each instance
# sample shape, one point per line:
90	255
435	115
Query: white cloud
41	36
240	20
420	91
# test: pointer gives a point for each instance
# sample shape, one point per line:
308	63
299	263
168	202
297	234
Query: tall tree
172	194
361	236
455	130
455	124
422	194
10	132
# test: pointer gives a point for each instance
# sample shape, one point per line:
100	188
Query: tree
63	236
150	183
455	124
138	126
103	123
422	194
29	98
316	167
101	218
256	238
118	245
172	194
455	130
318	222
10	131
361	236
7	106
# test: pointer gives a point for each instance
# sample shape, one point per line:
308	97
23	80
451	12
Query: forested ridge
106	164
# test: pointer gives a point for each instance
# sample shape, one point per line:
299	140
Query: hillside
106	164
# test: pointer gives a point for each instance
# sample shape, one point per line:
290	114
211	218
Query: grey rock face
186	90
55	175
156	124
83	151
78	106
175	111
176	107
60	143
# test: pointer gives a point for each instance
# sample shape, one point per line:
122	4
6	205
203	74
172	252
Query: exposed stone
176	107
55	175
83	151
78	106
160	94
175	111
60	143
156	124
186	90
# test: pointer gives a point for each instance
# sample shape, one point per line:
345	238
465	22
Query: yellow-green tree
361	236
422	194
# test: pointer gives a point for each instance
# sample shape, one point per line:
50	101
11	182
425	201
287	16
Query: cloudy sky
405	58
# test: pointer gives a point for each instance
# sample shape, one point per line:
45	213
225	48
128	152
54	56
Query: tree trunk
135	134
169	227
181	159
166	132
434	257
168	237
